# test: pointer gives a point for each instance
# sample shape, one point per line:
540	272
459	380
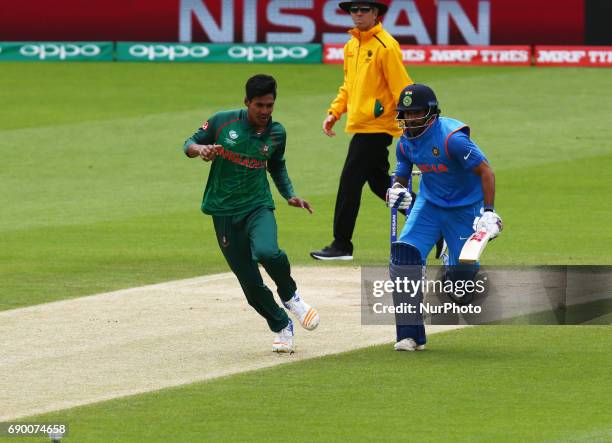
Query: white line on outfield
75	352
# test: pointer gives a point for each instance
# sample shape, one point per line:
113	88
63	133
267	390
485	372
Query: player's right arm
398	195
201	143
403	171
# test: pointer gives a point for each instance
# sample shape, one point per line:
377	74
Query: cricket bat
473	247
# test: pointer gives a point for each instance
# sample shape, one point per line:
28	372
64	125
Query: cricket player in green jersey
242	145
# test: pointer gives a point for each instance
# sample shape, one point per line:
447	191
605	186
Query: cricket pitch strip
75	352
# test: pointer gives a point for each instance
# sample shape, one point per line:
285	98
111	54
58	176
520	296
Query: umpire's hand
328	124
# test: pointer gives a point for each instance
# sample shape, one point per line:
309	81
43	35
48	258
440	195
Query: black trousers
367	161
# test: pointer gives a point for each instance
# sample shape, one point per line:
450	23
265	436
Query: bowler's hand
208	152
328	124
299	203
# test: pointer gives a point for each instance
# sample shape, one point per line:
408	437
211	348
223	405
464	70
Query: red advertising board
573	56
420	22
449	55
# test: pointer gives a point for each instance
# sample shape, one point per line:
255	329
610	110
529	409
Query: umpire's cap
346	6
417	97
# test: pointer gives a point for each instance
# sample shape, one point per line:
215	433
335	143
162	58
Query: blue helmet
414	98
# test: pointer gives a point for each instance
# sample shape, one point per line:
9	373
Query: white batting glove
398	197
490	222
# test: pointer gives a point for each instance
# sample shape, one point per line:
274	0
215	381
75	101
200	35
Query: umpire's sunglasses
356	9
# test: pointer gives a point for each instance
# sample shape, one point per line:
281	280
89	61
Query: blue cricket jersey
446	156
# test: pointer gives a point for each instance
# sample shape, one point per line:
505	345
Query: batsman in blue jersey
456	192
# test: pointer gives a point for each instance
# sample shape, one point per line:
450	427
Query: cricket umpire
456	195
243	144
374	76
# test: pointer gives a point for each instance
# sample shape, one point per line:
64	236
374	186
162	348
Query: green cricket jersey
237	181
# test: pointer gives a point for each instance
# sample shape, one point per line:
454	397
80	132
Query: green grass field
483	384
97	195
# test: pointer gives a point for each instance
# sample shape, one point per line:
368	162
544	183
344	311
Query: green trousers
247	240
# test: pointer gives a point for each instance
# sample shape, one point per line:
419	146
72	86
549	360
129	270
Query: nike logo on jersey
468	154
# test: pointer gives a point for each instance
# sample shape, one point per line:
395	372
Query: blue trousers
424	226
427	222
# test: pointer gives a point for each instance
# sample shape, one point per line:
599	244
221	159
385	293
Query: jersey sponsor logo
239	159
437	168
465	157
233	134
205	125
435	151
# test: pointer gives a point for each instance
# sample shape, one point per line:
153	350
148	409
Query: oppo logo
168	52
269	53
61	51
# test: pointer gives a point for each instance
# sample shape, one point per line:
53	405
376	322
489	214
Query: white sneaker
408	344
284	340
307	315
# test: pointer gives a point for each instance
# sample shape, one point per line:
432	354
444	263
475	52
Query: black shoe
331	253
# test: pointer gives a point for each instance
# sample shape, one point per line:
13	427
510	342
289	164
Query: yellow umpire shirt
374	76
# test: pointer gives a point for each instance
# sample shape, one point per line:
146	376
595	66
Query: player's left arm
487	178
463	149
490	220
278	171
